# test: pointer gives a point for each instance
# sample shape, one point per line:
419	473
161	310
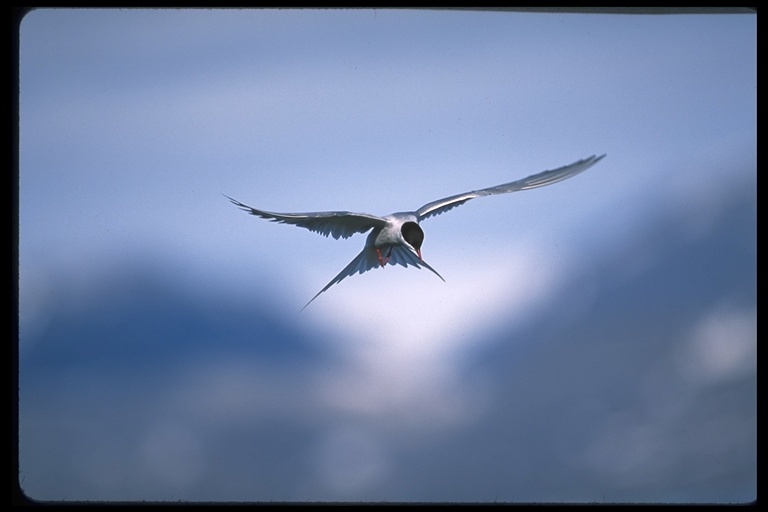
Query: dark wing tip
237	203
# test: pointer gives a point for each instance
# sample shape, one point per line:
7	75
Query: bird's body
391	233
397	238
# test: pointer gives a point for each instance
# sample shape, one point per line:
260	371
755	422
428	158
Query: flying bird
397	238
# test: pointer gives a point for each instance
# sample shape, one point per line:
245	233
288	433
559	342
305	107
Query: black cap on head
413	234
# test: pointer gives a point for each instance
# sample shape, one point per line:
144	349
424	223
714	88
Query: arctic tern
397	238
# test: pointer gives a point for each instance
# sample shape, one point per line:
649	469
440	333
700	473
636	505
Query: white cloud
722	346
403	342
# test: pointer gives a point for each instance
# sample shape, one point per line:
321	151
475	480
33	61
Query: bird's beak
418	251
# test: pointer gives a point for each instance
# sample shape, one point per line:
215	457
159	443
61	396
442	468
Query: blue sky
133	123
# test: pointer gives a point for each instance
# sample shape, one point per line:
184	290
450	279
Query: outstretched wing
401	255
336	224
537	180
363	262
368	259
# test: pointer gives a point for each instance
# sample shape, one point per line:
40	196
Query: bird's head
413	236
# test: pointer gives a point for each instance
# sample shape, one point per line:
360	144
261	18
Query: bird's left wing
534	181
336	224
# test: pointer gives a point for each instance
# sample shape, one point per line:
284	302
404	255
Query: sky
593	341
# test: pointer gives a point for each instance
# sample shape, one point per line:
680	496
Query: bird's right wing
363	262
534	181
336	224
368	259
401	255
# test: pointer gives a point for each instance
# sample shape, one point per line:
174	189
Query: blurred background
594	340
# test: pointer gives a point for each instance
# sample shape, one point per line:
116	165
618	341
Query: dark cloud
154	392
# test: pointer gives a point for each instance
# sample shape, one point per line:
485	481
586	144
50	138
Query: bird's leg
382	260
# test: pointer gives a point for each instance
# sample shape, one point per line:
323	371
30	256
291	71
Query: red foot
383	261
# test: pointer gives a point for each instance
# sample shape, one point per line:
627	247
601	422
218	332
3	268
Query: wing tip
596	159
238	203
